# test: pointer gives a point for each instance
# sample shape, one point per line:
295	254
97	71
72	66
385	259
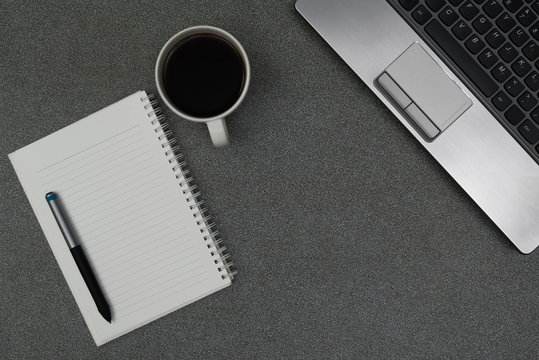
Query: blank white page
124	201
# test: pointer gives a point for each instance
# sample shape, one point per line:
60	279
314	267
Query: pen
79	257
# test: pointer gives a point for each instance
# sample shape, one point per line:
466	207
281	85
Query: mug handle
218	132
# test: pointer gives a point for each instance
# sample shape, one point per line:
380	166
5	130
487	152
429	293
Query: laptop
462	76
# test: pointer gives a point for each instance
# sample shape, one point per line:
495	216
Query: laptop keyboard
493	46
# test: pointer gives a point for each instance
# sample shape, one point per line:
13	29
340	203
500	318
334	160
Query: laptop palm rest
423	91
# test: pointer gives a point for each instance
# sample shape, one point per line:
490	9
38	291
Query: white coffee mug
216	124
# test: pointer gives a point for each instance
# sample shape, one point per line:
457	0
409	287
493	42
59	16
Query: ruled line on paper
88	148
116	265
149	292
136	173
157	250
144	288
154	287
109	246
117	170
111	282
103	198
112	255
163	297
94	169
122	200
150	273
165	264
107	243
119	229
110	211
132	214
118	148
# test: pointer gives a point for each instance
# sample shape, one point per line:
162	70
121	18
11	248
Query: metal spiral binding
218	252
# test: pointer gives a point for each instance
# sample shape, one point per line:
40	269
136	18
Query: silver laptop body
466	139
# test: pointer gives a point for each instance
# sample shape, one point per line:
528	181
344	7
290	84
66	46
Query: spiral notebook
135	210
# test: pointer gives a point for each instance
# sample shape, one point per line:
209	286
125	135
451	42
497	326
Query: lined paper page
124	202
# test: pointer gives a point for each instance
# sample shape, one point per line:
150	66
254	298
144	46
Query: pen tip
105	312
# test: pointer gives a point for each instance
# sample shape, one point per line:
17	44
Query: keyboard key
508	52
408	4
435	5
482	24
530	50
421	15
535	115
501	72
461	30
533	81
492	8
461	58
529	131
456	2
514	87
468	10
495	39
526	16
518	36
501	101
514	115
506	22
488	59
474	44
512	5
534	30
448	16
527	101
521	67
535	6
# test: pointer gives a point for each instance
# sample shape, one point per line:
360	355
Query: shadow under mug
216	124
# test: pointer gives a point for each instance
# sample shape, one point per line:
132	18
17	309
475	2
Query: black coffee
203	75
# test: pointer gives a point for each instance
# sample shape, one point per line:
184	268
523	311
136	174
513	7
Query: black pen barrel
90	280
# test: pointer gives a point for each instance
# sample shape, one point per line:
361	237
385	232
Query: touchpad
424	91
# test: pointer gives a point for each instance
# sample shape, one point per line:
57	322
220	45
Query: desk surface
350	240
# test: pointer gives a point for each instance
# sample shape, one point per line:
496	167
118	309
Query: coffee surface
203	75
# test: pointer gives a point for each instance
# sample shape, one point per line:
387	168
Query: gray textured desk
349	239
